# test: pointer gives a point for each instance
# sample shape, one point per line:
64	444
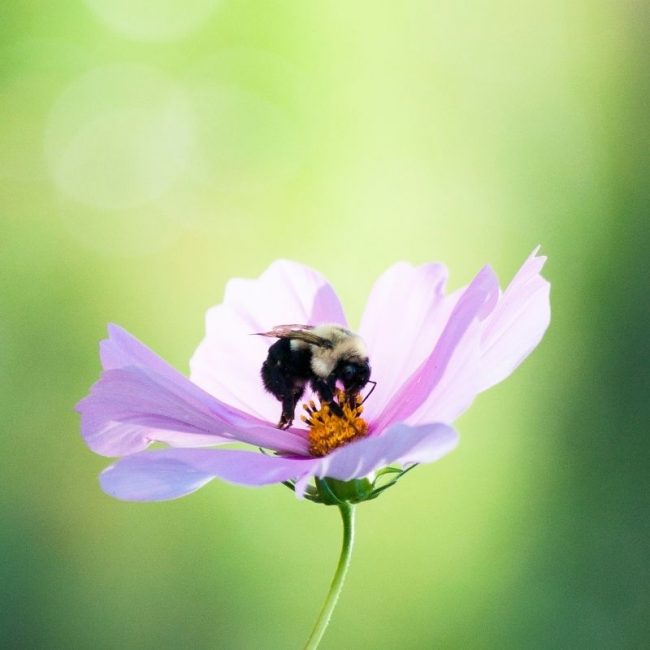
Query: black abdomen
285	370
285	373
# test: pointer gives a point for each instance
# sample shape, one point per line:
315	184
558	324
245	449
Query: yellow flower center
327	431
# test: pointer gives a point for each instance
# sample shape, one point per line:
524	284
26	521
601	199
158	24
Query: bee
320	356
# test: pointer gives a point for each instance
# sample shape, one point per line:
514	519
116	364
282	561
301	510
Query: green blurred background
151	150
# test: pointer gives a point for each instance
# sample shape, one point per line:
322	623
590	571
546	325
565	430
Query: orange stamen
328	431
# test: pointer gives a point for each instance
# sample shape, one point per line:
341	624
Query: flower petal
227	362
399	444
405	314
517	324
140	398
459	336
493	345
162	474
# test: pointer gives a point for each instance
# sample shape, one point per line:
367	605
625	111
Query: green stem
347	515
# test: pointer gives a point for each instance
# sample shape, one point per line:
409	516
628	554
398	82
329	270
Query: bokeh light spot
118	137
153	20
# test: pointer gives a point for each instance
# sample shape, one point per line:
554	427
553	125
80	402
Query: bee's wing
298	332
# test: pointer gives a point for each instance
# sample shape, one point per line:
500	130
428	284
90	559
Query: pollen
327	430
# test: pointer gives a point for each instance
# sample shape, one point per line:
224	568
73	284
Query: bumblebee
320	356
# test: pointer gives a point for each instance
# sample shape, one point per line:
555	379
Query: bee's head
353	374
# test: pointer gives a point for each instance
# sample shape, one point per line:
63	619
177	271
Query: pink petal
227	362
405	314
493	345
400	444
449	356
171	473
517	324
140	398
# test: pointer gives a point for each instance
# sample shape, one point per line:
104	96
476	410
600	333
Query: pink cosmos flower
431	353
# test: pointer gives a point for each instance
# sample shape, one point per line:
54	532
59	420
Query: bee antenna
374	385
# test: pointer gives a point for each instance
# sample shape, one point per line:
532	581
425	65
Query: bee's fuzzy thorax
324	360
346	346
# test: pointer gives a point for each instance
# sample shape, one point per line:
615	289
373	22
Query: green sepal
333	492
387	470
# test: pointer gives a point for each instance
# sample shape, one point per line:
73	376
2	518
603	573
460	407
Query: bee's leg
325	391
289	401
288	409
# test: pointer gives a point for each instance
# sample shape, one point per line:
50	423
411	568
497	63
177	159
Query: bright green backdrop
151	150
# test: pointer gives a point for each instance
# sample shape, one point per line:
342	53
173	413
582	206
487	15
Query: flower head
431	353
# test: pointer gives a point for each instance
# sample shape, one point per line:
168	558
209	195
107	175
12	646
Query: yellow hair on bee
345	346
